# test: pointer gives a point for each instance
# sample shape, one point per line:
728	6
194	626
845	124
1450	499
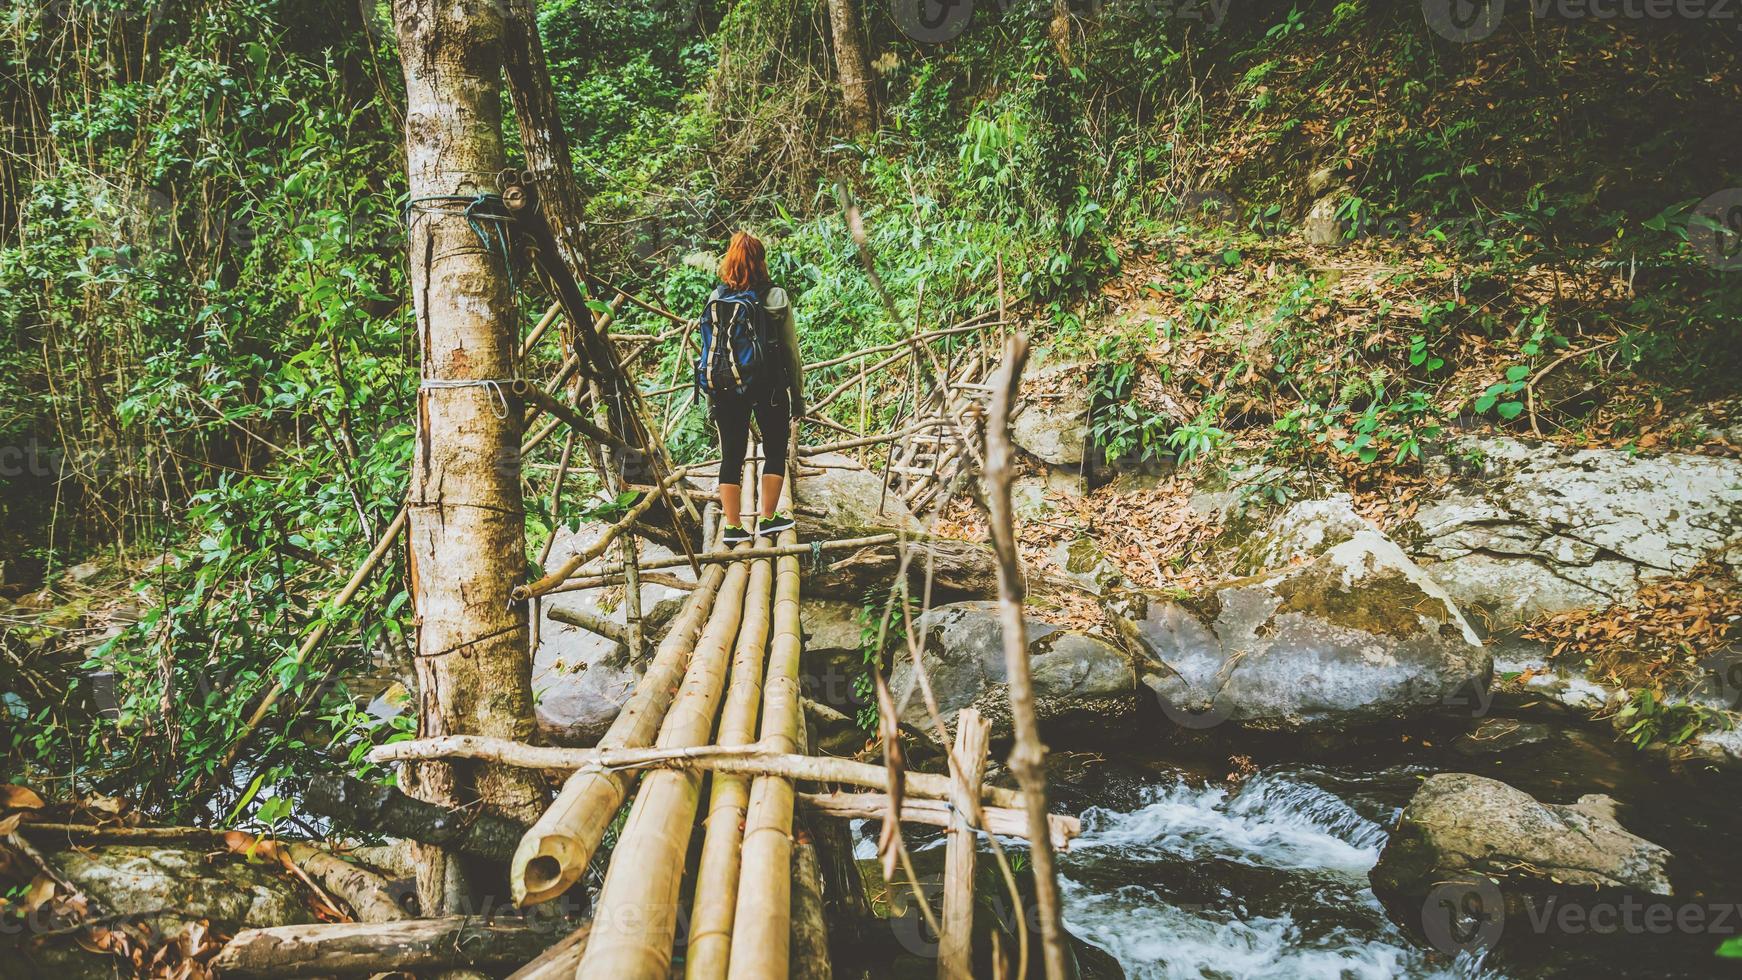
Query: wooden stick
538	329
592	624
967	769
328	948
554	852
374	808
761	941
603	576
1004	821
1028	754
635	920
756	760
575	420
550	581
716	897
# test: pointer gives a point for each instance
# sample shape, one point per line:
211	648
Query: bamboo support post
554	852
592	624
762	922
632	596
967	769
635	920
716	897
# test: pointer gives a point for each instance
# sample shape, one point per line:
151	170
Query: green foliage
1645	719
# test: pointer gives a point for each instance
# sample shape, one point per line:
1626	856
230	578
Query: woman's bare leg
770	493
731	502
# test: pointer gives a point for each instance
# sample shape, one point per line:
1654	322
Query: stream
1182	874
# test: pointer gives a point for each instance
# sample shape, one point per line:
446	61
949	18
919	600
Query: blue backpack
734	347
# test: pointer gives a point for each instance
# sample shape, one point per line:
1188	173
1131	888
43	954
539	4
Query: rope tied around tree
486	214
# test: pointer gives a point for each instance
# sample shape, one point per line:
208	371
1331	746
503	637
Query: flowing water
1181	873
1268	879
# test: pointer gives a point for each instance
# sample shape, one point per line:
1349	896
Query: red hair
746	264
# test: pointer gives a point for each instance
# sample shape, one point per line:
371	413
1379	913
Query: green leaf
1510	410
1484	403
1517	372
1731	948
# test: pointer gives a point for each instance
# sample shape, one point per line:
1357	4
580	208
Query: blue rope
487	216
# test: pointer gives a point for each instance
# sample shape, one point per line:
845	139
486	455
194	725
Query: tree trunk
852	66
467	548
363	948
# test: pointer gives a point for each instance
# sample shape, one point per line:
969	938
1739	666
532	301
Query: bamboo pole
762	921
553	579
967	768
555	851
716	898
635	920
936	813
758	759
606	574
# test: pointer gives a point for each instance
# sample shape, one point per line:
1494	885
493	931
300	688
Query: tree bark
371	807
853	67
467	548
362	948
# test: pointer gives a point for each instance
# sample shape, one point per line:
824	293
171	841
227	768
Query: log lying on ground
368	894
555	852
761	941
1003	821
558	962
754	760
343	948
716	897
810	928
372	807
635	921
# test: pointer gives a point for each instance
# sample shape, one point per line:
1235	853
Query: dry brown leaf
16	797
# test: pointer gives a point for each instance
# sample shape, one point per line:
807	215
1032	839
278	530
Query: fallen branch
341	948
592	624
550	582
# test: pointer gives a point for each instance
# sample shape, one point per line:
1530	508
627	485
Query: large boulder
160	890
1471	832
1052	423
1543	530
580	678
1304	529
838	498
1080	681
1358	636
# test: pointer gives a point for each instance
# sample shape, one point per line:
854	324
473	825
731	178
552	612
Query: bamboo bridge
713	733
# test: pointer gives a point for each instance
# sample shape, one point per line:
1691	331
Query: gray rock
832	653
1305	529
1459	825
1078	678
1083	562
1545	530
580	678
1055	427
1358	636
851	499
232	893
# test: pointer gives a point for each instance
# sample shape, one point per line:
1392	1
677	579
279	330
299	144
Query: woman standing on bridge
749	366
